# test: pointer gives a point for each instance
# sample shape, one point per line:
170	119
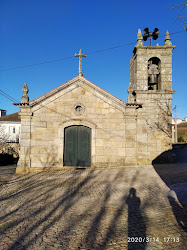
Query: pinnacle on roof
167	39
139	39
25	90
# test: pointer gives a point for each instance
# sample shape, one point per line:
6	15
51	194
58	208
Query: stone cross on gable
80	55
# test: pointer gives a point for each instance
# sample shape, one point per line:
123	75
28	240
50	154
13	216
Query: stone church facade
78	124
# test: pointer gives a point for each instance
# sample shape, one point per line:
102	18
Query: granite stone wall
154	132
113	127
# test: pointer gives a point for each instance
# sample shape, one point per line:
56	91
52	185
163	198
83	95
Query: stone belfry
151	85
150	69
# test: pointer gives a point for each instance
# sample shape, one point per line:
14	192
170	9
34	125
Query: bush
7	159
180	139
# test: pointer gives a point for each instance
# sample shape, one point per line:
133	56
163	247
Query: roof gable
74	83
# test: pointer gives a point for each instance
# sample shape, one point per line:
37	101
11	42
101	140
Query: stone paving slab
6	173
116	208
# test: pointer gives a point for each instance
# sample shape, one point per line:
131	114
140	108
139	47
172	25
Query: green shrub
180	139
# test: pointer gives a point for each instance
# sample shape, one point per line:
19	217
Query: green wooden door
77	146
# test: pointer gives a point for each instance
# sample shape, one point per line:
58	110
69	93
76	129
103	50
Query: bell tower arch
154	76
150	69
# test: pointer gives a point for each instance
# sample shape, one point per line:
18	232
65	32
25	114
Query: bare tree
3	140
5	145
181	17
162	122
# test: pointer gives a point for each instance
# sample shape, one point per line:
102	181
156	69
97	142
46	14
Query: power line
65	58
115	47
70	57
36	64
7	97
55	60
3	93
177	32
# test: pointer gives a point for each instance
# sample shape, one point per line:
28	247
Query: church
78	124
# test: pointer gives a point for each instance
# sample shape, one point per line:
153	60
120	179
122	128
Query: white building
2	112
10	127
178	121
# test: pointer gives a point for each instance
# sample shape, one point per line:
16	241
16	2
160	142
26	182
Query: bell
153	79
153	74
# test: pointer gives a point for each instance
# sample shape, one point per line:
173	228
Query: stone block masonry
104	131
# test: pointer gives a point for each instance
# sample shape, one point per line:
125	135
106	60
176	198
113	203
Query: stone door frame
68	123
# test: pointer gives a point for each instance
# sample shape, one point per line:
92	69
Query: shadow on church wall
171	166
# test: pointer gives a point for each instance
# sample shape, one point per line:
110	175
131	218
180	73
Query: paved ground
117	208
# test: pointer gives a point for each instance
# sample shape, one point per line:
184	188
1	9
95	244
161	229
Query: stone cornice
21	104
11	122
164	47
154	91
157	47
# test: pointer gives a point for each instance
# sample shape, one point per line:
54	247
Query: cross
80	55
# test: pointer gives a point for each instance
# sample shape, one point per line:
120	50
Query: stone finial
25	90
139	39
167	39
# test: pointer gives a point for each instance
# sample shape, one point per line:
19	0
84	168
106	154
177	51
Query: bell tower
151	85
150	69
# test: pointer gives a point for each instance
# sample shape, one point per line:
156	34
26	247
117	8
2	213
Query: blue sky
33	32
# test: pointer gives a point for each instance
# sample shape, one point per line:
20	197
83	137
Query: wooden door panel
70	146
84	146
77	146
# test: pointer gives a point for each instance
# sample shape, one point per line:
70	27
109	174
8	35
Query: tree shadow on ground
47	213
174	176
6	172
52	209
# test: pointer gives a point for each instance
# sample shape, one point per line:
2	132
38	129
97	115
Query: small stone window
79	109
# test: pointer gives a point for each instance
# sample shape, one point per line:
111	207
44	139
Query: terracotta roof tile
12	117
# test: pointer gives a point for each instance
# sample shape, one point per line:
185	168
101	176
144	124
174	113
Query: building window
12	130
79	109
